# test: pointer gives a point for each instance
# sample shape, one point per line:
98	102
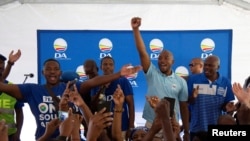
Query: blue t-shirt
127	90
41	104
207	107
160	85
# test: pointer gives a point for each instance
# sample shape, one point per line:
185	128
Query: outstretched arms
145	60
11	89
100	80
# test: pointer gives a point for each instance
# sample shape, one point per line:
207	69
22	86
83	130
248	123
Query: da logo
81	72
60	46
131	78
207	47
105	46
156	46
181	71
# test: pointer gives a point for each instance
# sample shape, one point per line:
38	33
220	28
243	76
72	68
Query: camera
75	108
71	85
103	104
172	103
62	115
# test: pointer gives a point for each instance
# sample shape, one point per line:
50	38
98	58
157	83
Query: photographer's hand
98	122
118	97
67	125
76	98
153	101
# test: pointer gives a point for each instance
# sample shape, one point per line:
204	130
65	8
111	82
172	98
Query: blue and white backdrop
72	47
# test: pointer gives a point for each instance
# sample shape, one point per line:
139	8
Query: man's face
165	61
210	67
52	72
139	135
107	66
89	68
195	67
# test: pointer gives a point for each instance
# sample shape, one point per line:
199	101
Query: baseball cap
2	57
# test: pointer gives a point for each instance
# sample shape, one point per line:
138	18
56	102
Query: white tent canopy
19	21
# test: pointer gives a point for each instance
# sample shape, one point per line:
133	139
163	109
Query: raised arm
131	113
118	98
12	59
145	60
50	129
162	111
11	89
97	124
100	80
77	100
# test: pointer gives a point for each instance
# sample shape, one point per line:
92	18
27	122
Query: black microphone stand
26	77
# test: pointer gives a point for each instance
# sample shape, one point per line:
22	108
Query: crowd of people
104	104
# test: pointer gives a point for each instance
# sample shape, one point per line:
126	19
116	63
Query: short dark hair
107	57
51	59
92	62
3	58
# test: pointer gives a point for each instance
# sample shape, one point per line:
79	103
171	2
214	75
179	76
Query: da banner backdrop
72	47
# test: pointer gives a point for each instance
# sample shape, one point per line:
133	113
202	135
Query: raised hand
14	57
176	127
162	109
135	22
98	122
118	96
126	70
3	130
242	95
67	125
75	97
63	104
52	126
196	91
153	101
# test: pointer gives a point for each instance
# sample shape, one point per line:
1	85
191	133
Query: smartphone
172	103
62	115
71	84
75	108
103	104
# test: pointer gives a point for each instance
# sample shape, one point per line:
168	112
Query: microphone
29	75
69	76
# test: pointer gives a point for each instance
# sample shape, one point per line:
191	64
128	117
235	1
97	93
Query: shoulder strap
51	93
55	99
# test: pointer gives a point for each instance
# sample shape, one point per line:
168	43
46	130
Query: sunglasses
192	65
